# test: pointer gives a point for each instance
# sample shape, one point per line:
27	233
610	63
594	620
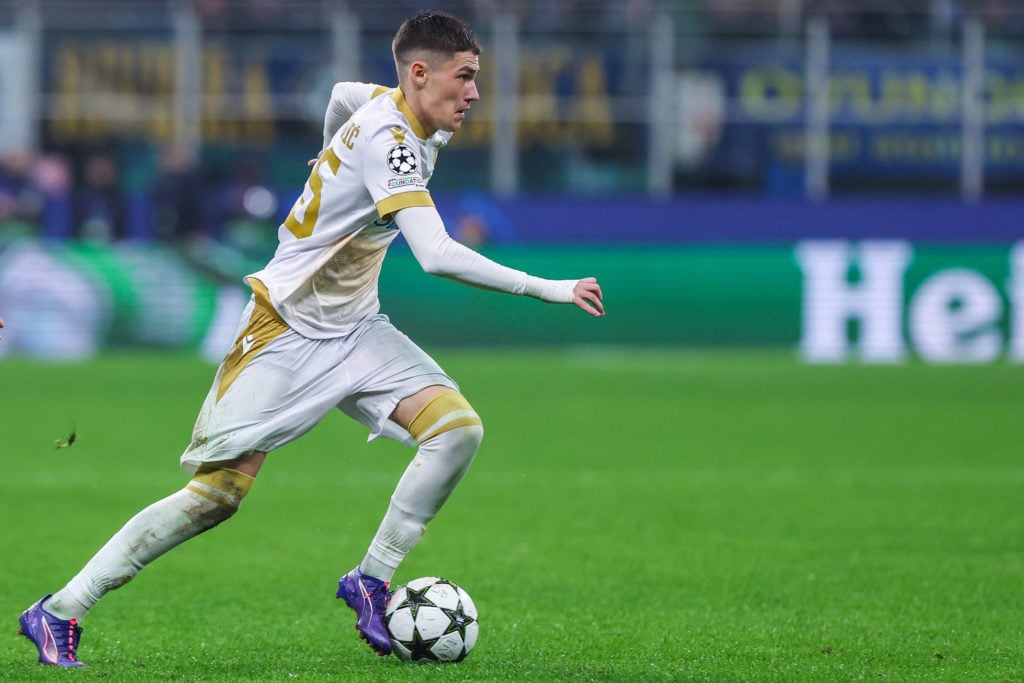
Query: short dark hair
434	31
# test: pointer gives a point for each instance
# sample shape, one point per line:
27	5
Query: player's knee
468	437
449	415
219	491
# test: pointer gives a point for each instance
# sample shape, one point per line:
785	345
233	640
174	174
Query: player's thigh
386	367
278	394
410	406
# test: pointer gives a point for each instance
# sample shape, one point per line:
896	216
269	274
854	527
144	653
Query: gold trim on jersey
399	97
387	207
379	90
263	327
398	133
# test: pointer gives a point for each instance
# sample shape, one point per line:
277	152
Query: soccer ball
431	620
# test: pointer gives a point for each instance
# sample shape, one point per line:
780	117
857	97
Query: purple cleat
368	597
56	639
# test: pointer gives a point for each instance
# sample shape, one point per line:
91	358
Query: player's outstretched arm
438	254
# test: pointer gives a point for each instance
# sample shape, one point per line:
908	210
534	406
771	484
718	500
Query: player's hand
1	324
587	295
312	162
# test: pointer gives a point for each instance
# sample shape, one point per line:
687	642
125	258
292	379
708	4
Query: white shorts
275	386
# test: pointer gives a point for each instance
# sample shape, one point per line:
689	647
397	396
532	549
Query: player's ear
418	72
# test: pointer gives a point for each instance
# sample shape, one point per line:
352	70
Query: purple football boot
368	597
56	639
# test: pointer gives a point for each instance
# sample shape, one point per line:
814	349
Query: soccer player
312	339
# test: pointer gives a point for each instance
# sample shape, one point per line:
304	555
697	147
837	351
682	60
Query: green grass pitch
632	516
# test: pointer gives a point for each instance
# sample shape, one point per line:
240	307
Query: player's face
449	91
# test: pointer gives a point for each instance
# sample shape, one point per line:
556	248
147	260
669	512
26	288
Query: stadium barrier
833	300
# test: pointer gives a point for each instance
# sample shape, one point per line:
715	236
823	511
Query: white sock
430	478
145	537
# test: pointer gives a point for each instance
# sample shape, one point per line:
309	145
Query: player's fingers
590	303
587	284
589	287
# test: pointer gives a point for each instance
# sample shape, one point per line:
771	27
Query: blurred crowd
863	18
890	20
55	196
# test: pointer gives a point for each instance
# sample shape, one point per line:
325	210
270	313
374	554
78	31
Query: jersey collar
399	97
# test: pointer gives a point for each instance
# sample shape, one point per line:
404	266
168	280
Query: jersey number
311	209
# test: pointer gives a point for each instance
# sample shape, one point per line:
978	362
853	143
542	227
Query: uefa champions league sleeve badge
402	160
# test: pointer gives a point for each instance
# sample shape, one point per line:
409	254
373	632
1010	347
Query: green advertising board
831	301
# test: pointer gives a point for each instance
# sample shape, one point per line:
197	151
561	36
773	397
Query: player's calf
212	496
449	433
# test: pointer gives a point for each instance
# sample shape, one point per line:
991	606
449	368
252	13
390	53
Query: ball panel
422	582
401	625
401	651
472	631
444	595
468	606
432	622
448	648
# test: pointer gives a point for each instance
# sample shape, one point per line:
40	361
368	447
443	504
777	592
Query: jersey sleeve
439	254
346	98
393	168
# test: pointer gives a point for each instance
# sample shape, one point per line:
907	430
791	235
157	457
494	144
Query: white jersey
323	277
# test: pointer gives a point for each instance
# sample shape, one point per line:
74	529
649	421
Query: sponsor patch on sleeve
413	181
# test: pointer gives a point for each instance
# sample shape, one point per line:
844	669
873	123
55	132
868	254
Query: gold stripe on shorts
263	327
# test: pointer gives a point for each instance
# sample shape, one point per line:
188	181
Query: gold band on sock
222	486
446	411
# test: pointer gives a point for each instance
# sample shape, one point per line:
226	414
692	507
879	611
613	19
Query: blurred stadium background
843	178
794	182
